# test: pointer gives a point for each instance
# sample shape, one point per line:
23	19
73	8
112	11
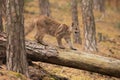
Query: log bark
74	59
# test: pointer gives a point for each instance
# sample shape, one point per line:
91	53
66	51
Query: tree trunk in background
16	54
44	7
114	4
89	26
1	24
99	5
75	22
117	4
96	4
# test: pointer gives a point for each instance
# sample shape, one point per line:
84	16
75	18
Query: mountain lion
46	25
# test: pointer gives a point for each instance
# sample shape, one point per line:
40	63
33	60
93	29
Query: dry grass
61	12
9	75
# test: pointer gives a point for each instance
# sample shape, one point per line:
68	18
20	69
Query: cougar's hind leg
39	39
59	41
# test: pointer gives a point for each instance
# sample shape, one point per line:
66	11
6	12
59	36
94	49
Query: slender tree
16	54
75	22
114	4
99	5
89	26
117	4
1	24
44	7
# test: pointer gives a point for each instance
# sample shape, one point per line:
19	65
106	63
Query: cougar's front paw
61	47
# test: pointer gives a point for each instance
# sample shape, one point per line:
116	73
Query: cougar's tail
29	29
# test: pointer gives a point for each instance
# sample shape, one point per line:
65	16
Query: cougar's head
67	35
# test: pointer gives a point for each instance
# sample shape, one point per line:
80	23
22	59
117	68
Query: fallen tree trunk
74	59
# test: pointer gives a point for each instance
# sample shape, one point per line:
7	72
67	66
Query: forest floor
109	26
